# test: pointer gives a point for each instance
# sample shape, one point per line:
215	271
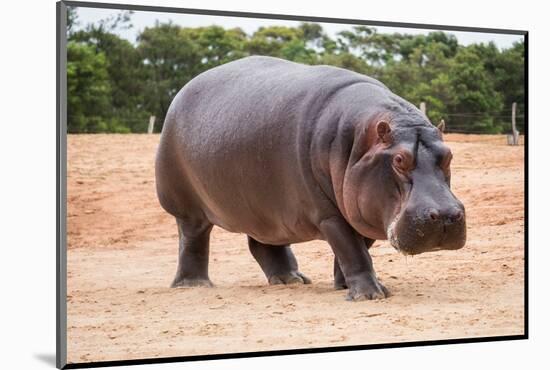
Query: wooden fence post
423	107
515	133
441	126
151	124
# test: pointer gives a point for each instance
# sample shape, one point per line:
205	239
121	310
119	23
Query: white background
27	183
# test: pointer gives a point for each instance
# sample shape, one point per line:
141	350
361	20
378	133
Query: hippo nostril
456	216
433	214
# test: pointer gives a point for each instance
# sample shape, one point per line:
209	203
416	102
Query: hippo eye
398	160
401	162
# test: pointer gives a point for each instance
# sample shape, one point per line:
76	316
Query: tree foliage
88	91
115	85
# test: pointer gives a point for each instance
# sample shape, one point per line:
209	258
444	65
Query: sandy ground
123	249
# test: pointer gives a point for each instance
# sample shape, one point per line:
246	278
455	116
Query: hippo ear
383	130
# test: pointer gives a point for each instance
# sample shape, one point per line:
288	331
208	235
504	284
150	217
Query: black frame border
61	184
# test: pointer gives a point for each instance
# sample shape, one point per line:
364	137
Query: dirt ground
123	250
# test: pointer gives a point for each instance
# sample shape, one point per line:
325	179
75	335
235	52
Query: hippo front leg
354	260
339	279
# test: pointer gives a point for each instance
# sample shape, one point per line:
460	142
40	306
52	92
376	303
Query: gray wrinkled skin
288	153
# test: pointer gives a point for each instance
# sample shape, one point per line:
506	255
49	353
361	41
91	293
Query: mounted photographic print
238	184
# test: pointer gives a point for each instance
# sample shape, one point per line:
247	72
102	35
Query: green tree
422	77
271	40
170	59
476	102
88	91
216	45
124	67
172	56
72	19
507	70
116	84
348	61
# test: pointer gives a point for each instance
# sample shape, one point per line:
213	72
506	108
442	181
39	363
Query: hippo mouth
419	240
391	230
392	235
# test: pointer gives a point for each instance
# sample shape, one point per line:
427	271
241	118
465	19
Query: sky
142	19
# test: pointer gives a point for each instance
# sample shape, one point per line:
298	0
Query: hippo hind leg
277	262
194	239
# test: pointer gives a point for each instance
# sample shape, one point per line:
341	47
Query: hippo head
397	185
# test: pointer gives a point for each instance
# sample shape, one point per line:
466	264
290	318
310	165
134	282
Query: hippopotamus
288	153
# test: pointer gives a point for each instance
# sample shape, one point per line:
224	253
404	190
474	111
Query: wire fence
459	123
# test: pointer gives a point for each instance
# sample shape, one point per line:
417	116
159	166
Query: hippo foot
192	282
368	292
340	286
293	277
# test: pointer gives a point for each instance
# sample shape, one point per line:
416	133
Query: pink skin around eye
401	162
